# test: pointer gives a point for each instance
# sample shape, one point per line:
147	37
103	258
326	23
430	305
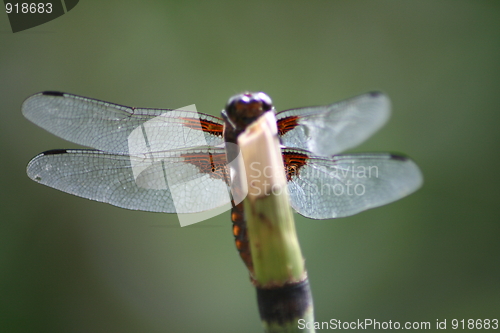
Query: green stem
280	277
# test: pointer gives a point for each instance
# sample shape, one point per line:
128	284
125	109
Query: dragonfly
179	161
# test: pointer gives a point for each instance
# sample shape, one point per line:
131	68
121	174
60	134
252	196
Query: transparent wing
184	181
331	129
108	127
322	188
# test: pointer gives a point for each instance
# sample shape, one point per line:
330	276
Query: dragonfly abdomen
241	235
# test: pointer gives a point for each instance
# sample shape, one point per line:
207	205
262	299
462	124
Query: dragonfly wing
322	188
120	129
328	130
183	181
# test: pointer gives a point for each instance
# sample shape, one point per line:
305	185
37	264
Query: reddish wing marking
206	126
293	161
287	124
213	164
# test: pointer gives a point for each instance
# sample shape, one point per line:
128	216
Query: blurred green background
72	265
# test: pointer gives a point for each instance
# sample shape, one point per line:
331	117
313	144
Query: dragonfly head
243	109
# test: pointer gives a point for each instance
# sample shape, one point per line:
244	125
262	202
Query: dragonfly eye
243	109
267	103
230	109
